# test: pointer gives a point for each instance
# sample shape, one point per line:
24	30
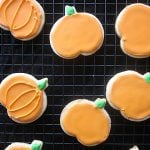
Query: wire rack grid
83	77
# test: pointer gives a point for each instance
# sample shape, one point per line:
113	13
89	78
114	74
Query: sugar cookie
128	92
23	18
23	96
87	121
134	148
132	26
35	145
75	34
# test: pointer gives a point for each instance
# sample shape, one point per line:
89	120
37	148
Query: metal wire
84	77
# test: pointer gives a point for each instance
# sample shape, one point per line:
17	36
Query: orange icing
86	122
22	98
130	93
21	17
76	34
133	27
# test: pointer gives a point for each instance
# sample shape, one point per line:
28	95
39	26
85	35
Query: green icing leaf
36	145
70	10
147	77
100	103
43	83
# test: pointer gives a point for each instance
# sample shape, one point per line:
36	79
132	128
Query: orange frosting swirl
22	17
22	98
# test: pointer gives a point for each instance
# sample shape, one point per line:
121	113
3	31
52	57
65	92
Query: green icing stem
43	83
70	10
100	103
36	145
147	77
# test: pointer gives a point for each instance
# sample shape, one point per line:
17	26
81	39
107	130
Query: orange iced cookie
23	96
87	121
35	145
75	34
132	26
128	92
24	18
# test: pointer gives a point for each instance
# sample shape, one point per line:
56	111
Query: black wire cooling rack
84	77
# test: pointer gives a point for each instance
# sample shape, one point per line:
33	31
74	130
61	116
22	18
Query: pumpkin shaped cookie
75	34
87	121
132	26
23	18
35	145
23	96
128	92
